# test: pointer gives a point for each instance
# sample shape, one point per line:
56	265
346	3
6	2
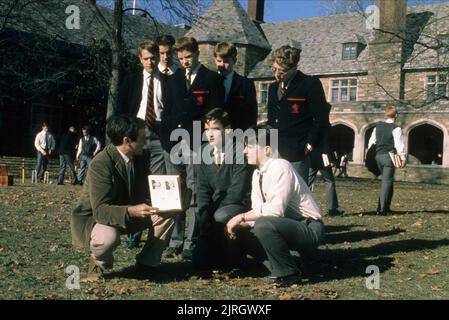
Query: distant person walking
67	147
388	137
88	147
342	166
45	145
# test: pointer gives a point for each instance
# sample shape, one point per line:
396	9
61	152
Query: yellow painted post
23	170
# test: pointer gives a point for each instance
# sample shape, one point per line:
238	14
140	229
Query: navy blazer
225	185
301	115
242	103
182	107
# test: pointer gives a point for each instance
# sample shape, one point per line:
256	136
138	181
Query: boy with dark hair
223	185
165	44
284	215
192	91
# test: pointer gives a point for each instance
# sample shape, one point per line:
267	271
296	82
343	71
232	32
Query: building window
344	90
349	51
436	87
264	93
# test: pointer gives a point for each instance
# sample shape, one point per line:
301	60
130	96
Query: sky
282	10
277	10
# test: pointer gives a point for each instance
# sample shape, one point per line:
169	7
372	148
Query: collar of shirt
193	71
285	83
264	168
389	121
172	69
146	75
125	157
217	153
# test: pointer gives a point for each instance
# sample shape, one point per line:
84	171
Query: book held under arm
396	159
165	192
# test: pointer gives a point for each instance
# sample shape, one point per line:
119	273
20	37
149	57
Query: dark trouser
155	156
302	167
272	238
186	170
386	168
84	165
41	165
329	180
214	250
64	160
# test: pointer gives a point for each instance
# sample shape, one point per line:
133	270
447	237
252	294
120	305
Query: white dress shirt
157	90
172	69
85	138
286	194
40	142
397	137
219	156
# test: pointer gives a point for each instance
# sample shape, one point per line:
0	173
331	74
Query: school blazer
301	115
182	107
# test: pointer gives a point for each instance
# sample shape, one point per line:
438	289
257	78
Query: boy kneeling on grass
284	215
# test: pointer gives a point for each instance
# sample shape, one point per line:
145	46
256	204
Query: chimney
255	10
392	17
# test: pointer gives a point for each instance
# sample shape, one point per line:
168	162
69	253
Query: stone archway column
445	151
359	146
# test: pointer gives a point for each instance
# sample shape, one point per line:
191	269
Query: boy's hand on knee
231	227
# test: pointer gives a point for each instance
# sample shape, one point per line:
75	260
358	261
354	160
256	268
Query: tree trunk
116	48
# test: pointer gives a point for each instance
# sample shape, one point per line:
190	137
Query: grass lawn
410	248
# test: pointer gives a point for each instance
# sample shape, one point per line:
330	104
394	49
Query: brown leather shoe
94	274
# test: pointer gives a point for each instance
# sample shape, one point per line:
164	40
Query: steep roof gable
226	20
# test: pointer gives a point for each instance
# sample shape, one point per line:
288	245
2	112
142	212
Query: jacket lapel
235	87
198	76
138	92
119	162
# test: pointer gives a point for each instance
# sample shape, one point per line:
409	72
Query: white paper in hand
165	192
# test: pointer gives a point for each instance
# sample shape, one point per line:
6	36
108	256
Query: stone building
403	62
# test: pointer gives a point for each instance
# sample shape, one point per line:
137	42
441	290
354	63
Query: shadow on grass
324	265
355	236
331	229
165	273
397	212
335	264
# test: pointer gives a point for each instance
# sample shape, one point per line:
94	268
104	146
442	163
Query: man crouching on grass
114	201
284	215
